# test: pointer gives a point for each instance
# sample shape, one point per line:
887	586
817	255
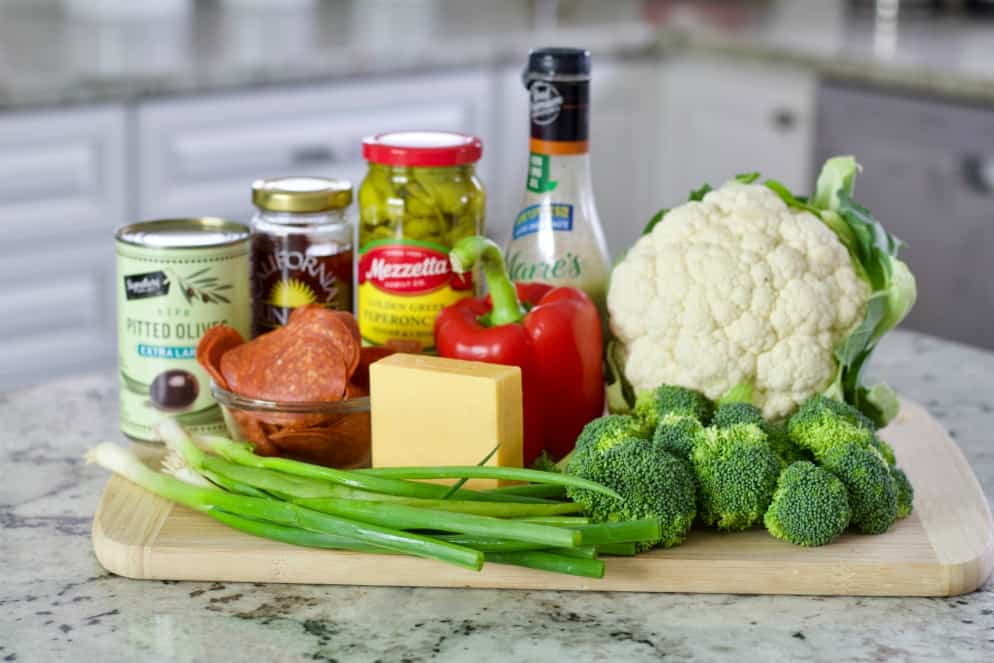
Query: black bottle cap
556	62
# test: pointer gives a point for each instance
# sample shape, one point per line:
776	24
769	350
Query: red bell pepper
552	333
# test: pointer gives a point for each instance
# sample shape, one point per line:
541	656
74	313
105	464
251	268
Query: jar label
289	272
403	284
558	216
559	116
166	300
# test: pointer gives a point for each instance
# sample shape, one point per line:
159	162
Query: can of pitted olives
176	278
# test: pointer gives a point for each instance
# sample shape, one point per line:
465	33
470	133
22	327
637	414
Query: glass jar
302	248
420	196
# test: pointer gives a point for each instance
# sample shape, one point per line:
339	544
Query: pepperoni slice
214	343
337	327
251	429
288	366
342	443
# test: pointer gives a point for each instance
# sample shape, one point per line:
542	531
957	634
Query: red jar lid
428	149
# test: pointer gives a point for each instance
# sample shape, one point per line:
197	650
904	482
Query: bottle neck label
560	116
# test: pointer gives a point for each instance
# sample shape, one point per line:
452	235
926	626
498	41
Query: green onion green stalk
383	511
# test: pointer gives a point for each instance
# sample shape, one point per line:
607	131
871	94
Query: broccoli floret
905	492
867	477
675	434
841	409
544	463
810	506
783	446
885	450
729	414
737	472
652	404
822	423
605	432
652	483
600	435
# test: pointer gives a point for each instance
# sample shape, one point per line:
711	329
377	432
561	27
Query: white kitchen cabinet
720	118
61	173
199	156
623	125
62	192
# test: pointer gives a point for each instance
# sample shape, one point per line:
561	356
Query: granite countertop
50	59
59	604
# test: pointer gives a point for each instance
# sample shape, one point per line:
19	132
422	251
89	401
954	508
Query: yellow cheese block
436	411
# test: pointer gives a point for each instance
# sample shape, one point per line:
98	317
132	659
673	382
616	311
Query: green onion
126	464
500	473
289	487
241	454
233	486
547	561
646	529
583	552
544	490
617	549
405	517
492	509
292	535
459	484
490	543
560	521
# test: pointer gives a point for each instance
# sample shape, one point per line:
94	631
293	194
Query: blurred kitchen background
114	110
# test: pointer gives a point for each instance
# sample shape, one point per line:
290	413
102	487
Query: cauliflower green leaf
874	254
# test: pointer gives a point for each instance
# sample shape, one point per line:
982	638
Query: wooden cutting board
945	547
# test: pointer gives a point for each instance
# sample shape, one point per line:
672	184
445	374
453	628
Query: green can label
167	297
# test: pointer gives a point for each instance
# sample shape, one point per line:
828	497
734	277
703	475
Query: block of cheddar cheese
434	411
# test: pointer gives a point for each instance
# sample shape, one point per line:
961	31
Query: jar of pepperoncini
302	247
420	196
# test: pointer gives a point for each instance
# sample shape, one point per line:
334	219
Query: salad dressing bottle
557	236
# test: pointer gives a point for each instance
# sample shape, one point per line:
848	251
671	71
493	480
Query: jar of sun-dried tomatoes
302	247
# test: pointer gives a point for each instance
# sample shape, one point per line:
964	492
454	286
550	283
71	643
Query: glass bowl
335	434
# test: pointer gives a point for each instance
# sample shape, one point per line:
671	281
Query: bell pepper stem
469	251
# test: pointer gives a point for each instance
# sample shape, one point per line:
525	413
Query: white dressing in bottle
557	236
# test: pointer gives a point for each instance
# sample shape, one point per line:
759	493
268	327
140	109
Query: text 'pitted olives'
176	279
420	197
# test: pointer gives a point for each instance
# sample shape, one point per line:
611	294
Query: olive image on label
174	390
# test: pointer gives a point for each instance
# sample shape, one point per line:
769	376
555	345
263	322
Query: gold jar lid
301	194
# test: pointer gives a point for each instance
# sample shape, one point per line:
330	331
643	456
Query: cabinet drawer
61	172
928	175
200	156
56	311
721	118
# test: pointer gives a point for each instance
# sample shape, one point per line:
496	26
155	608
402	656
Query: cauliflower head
738	287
